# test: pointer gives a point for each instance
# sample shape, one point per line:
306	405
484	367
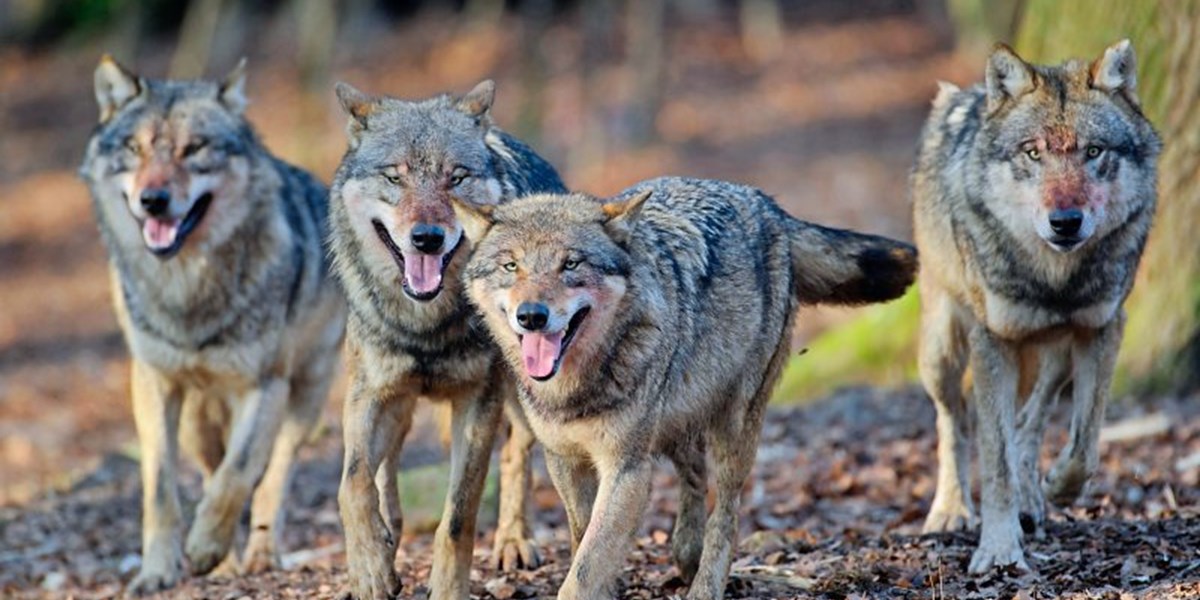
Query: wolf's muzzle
1066	223
533	316
155	201
428	239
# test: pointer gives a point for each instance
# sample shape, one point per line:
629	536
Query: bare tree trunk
195	39
317	24
762	29
646	42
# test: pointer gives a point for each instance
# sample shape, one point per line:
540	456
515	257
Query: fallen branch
774	575
292	560
1136	428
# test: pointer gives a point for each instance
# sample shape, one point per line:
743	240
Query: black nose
428	238
156	201
1066	222
533	315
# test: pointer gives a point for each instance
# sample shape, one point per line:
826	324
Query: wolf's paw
206	549
372	579
512	552
1065	481
993	553
947	519
260	555
1032	508
162	567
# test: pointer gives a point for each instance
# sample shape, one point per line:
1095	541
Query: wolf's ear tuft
115	87
620	214
233	88
478	101
1116	71
358	107
476	219
1008	77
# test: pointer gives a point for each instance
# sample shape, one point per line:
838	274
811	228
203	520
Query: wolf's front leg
473	424
513	547
575	480
1094	356
994	363
156	408
371	427
256	420
1031	428
621	501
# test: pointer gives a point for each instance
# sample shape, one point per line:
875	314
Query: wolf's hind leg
473	423
156	410
1094	357
942	362
1052	361
687	537
514	547
309	391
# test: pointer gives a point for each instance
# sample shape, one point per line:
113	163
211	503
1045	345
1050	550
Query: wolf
224	294
398	249
1033	195
657	323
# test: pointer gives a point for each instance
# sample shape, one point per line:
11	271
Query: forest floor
833	510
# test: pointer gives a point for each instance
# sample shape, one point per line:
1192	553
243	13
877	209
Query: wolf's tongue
158	233
422	272
540	351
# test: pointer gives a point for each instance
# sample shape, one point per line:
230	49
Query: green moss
878	347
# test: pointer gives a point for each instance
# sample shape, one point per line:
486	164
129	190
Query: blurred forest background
818	102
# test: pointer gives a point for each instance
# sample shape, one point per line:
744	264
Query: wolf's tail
838	266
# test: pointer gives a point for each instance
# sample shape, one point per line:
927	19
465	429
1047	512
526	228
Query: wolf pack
448	262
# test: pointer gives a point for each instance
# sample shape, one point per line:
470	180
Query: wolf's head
1069	155
405	163
169	160
549	273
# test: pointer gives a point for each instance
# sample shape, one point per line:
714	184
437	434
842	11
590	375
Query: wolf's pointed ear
620	214
233	88
476	219
478	101
358	107
115	87
1115	71
1008	77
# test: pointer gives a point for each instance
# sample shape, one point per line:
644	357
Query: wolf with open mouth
656	323
399	249
224	292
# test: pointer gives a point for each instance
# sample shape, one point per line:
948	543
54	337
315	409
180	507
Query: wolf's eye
391	178
570	265
510	266
195	146
1094	151
1034	154
132	145
459	175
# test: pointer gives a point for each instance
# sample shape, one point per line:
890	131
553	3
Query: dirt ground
841	486
833	510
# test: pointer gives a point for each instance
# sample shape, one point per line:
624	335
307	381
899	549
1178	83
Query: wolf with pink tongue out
656	323
398	249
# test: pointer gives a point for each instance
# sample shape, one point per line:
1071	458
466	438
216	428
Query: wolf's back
521	169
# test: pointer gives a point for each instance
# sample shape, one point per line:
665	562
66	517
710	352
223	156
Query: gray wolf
398	250
1032	198
656	323
223	291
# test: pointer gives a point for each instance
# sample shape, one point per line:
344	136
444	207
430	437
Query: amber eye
510	266
391	178
1094	151
1034	154
570	265
132	145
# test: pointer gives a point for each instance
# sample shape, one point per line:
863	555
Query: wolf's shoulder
527	171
